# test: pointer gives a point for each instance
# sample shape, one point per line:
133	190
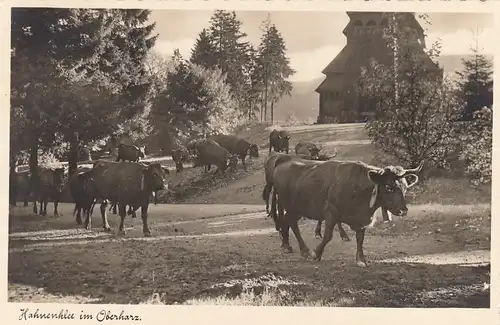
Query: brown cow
336	191
20	187
307	148
269	166
127	183
279	141
180	156
130	153
237	146
48	184
210	152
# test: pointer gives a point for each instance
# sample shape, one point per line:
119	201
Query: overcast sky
313	39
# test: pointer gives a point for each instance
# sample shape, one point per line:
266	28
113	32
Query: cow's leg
360	257
330	221
78	210
242	157
342	232
122	211
26	200
35	199
144	215
265	196
284	226
88	218
317	231
304	250
56	205
104	217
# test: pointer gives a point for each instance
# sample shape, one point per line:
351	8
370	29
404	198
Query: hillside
304	101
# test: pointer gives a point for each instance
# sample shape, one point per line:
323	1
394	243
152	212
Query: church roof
331	82
338	64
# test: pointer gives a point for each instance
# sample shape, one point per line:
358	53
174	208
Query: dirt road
435	257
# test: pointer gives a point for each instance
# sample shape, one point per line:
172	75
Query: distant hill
304	101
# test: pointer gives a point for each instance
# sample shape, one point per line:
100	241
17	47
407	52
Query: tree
196	102
203	52
476	83
274	66
95	55
416	111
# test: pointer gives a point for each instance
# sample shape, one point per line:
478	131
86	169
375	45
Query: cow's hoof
287	249
308	254
88	227
361	263
78	221
147	234
318	236
121	232
346	239
108	229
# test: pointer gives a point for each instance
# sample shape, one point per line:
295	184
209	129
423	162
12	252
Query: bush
476	138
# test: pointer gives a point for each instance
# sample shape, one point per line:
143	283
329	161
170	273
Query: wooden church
338	100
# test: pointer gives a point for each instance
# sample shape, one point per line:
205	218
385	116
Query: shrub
476	138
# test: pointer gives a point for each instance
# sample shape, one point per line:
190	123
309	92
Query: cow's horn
414	170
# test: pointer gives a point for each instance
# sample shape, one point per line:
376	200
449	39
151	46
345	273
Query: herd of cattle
306	184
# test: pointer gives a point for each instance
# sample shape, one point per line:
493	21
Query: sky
313	39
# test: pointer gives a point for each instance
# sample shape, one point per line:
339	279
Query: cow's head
314	152
284	139
253	151
154	176
58	178
232	162
391	184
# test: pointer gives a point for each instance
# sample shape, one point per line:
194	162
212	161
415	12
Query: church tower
338	101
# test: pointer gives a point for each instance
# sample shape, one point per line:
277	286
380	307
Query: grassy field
216	246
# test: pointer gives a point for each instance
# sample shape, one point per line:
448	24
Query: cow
132	209
269	166
336	191
279	141
210	152
48	184
127	183
130	153
237	146
180	156
20	186
77	186
307	148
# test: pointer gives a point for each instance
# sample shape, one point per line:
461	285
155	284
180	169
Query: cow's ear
165	169
376	177
415	180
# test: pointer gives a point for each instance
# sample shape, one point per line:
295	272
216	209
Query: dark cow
210	152
237	146
130	153
307	148
48	184
336	191
180	156
20	187
127	183
269	166
78	190
279	141
132	209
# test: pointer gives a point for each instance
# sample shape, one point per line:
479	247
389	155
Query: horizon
321	38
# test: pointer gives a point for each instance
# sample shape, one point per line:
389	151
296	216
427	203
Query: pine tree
476	83
203	52
274	66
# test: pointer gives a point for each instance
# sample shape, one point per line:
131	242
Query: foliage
197	102
477	140
415	110
476	83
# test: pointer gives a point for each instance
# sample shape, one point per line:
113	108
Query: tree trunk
73	155
265	98
272	112
262	108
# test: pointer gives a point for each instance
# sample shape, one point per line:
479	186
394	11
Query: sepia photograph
250	158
